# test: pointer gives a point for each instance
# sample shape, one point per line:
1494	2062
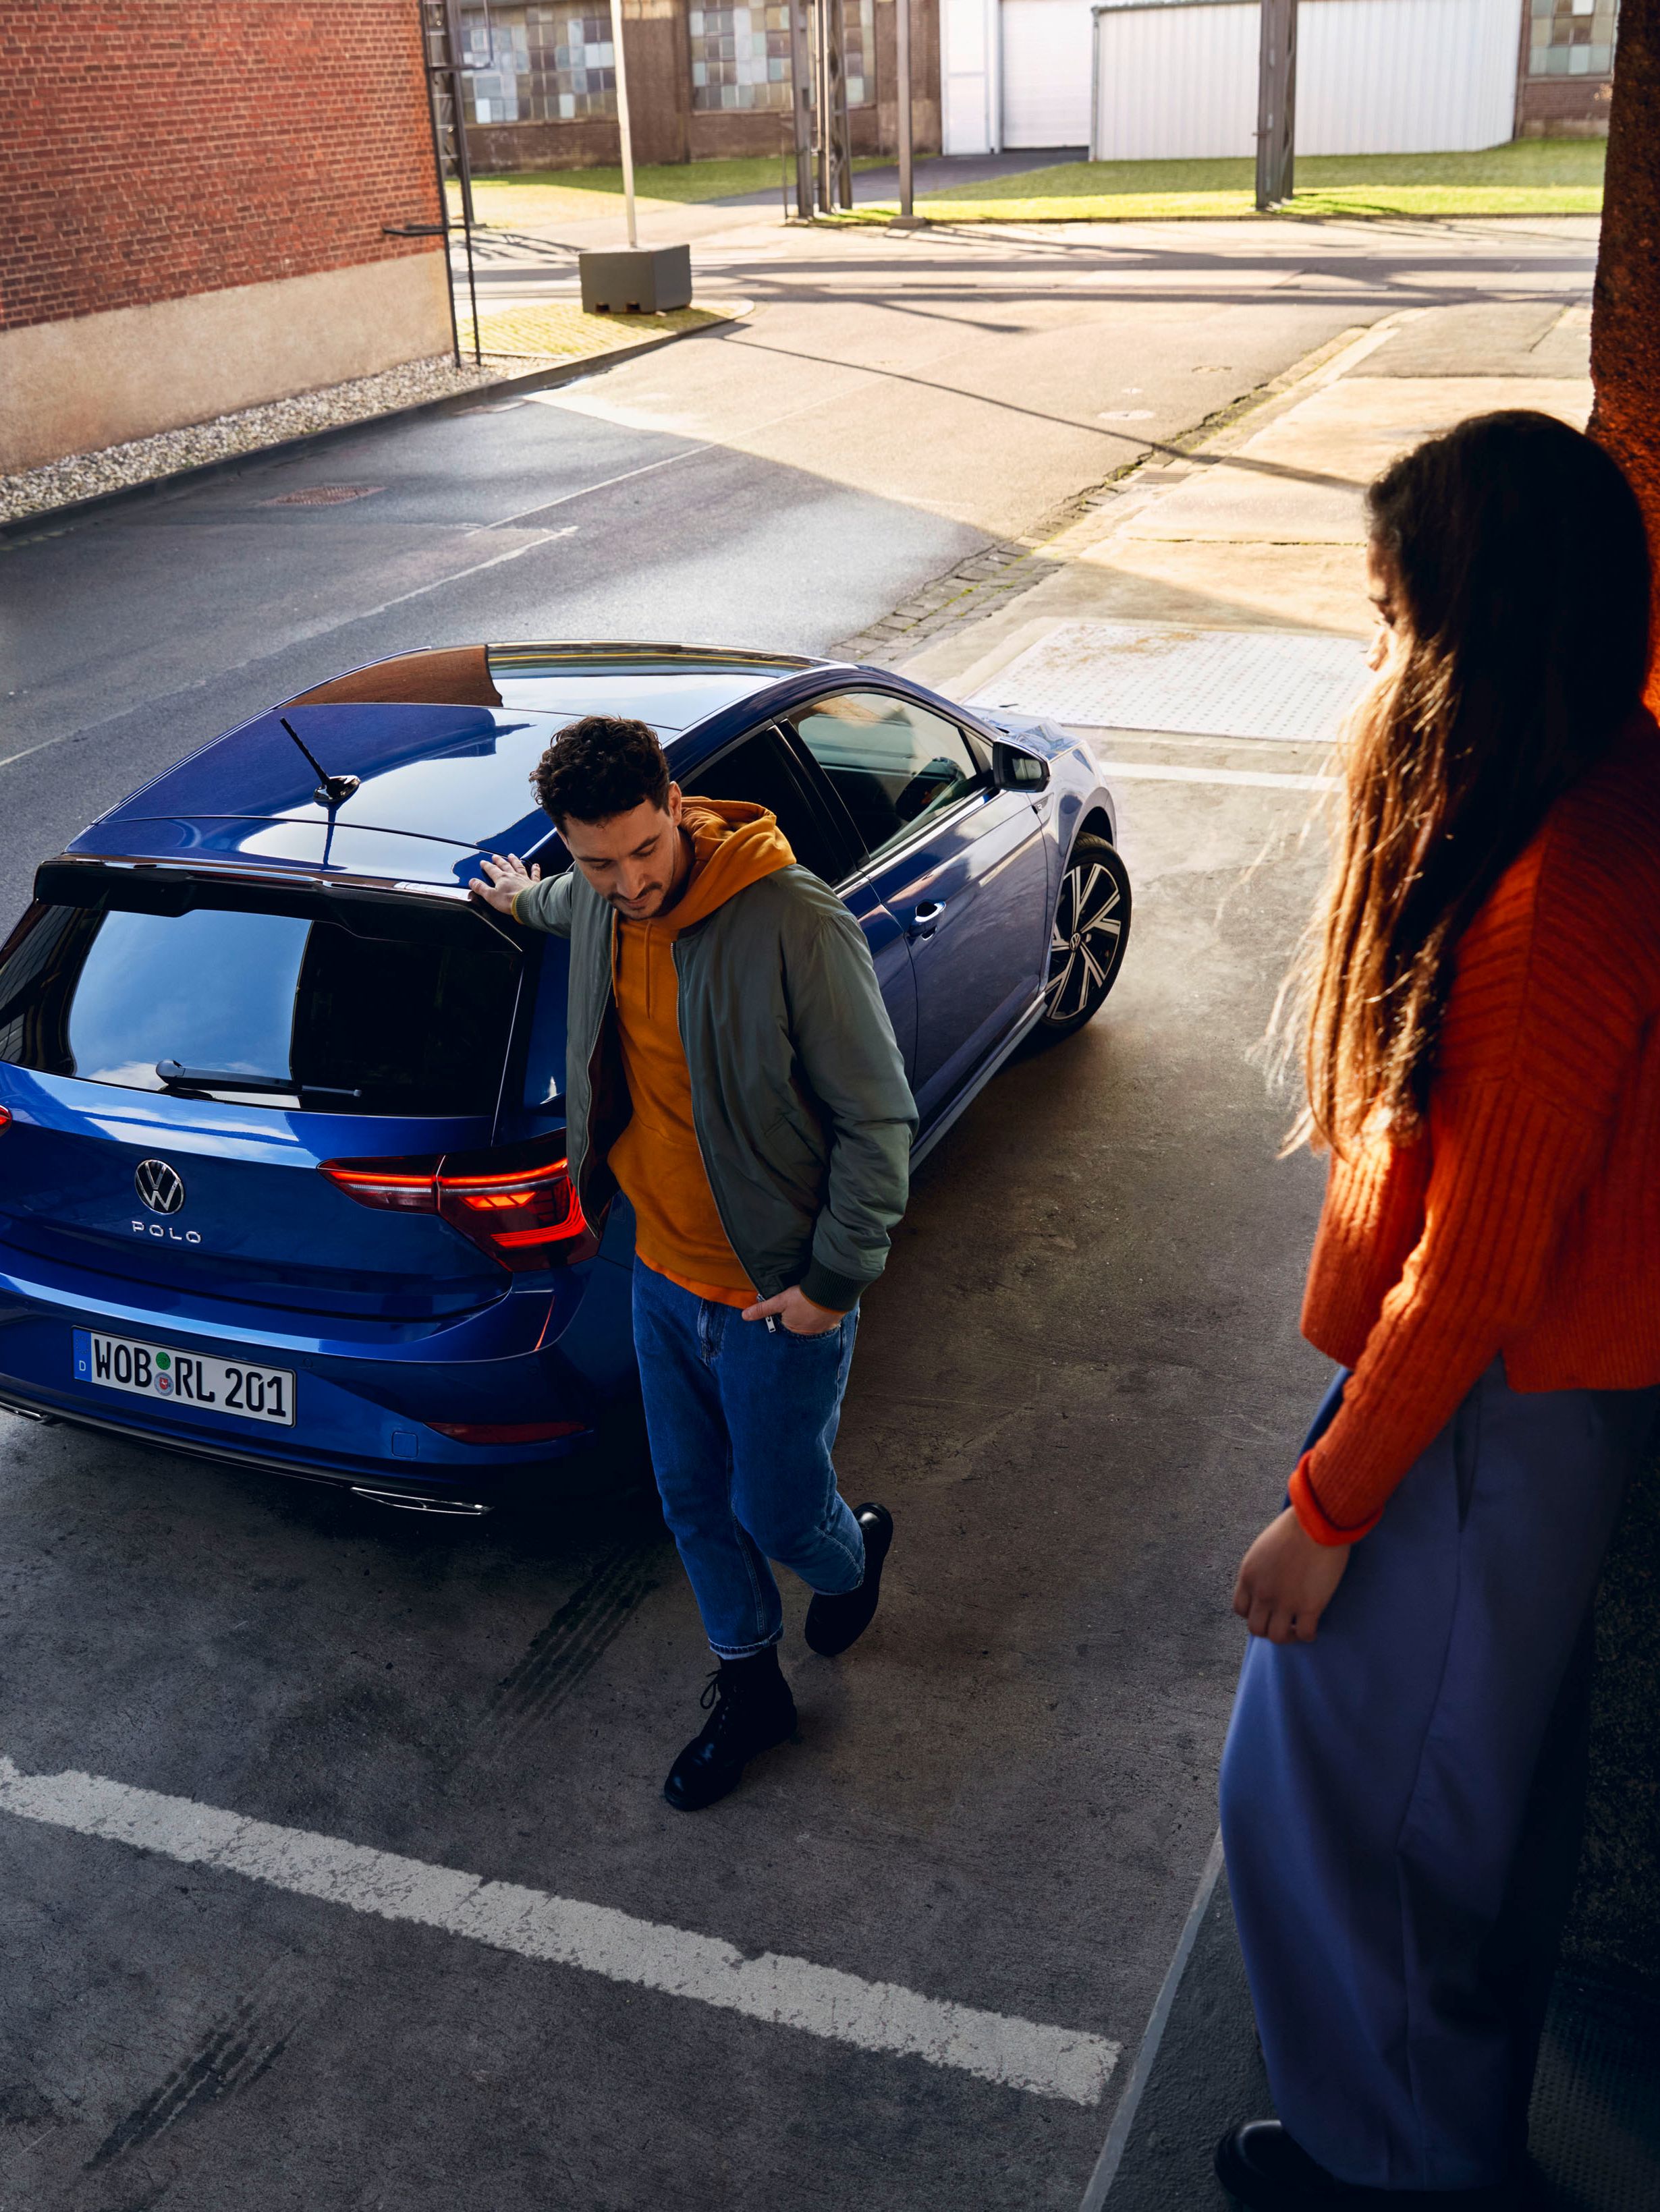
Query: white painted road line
1159	772
1016	2054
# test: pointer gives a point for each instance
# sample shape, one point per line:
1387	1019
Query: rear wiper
177	1077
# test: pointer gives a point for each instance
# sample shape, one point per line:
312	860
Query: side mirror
1017	771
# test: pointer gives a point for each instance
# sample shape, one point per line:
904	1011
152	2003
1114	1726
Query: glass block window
535	65
740	57
1571	38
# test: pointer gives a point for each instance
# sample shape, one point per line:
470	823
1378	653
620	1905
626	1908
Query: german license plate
185	1378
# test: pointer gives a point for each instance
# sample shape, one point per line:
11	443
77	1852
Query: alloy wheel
1087	940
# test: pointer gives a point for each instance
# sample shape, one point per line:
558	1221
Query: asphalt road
1078	1387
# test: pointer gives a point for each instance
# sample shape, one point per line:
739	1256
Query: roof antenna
332	791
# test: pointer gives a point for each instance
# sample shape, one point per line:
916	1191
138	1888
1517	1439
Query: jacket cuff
1312	1514
835	1293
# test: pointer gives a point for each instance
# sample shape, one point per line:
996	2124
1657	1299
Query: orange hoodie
656	1160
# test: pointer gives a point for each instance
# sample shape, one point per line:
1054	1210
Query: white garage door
1047	53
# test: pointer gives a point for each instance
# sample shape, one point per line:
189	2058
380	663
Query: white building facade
1163	80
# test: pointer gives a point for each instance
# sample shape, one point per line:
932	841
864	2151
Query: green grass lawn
1530	176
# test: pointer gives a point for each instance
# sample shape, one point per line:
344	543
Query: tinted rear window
342	1019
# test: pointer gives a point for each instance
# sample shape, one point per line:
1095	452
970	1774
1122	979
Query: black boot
753	1711
833	1623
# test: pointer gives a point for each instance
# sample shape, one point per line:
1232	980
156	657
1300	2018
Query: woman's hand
1287	1580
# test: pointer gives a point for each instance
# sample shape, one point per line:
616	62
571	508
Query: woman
1483	1064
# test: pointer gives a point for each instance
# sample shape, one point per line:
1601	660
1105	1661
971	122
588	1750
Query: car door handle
925	919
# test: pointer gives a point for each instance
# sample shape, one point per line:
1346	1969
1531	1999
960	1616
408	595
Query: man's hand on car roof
508	878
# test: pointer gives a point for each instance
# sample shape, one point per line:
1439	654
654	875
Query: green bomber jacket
803	1115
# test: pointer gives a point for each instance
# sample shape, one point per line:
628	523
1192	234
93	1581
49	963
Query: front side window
303	1011
891	763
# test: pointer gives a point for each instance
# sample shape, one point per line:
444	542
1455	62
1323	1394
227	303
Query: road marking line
1159	772
1016	2054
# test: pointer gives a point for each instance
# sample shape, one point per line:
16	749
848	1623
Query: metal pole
452	39
443	192
821	90
836	106
902	70
622	134
1276	102
801	92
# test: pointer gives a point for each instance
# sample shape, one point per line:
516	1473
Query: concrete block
645	280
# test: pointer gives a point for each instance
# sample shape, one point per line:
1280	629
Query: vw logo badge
161	1187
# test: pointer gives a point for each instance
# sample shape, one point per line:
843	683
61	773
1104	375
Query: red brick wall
154	148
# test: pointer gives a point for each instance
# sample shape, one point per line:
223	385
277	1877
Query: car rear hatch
181	1050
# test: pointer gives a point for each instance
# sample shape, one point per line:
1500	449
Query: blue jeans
1401	1798
741	1419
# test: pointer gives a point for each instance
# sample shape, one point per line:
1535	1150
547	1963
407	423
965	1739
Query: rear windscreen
342	1019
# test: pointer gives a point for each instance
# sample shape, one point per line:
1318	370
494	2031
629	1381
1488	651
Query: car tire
1087	937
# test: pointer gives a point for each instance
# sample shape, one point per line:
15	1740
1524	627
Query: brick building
703	82
1565	86
194	197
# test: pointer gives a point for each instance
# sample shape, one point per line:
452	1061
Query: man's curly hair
601	766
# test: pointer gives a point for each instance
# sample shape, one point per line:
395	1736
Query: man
731	1069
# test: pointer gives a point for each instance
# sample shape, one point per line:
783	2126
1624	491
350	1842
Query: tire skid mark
233	2050
563	1654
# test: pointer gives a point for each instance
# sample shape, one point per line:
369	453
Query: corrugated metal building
1165	79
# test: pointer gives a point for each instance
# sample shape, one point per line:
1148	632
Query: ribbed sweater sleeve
1509	1167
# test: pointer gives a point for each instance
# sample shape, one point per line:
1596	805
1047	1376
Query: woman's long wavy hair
1518	577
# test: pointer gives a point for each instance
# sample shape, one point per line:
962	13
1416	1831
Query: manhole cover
1207	682
322	496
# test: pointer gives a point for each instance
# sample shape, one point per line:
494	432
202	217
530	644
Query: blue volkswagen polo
280	1107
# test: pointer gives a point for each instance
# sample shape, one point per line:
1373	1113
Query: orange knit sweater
1525	1220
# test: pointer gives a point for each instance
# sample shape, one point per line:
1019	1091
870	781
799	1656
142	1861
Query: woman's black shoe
1267	2170
753	1711
833	1623
1261	2167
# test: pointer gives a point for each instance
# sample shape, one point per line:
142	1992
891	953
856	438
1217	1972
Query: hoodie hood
734	844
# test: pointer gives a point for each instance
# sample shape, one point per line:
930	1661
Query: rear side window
215	1002
759	770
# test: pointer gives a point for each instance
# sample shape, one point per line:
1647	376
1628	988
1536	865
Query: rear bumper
362	1413
380	1488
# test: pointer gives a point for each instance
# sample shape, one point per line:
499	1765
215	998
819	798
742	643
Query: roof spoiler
90	879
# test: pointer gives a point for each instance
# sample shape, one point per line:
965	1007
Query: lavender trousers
1402	1798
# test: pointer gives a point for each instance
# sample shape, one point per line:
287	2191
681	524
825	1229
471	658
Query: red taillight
516	1203
394	1194
507	1432
5	1117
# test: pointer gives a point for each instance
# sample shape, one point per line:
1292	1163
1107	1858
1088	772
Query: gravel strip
86	476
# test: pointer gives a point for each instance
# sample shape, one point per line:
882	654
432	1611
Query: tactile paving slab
1202	683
